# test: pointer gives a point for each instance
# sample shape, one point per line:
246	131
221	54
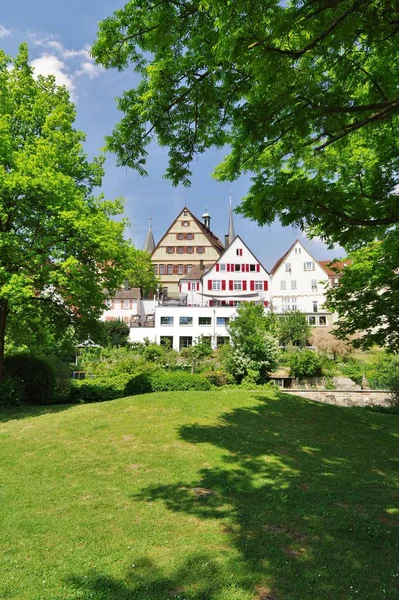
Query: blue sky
59	35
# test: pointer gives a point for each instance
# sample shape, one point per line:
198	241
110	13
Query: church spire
231	234
149	244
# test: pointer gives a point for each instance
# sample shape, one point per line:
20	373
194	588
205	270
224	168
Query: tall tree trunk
3	320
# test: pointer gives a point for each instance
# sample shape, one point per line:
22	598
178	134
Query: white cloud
89	69
48	64
4	32
66	64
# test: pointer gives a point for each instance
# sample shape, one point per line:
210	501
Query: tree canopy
303	92
140	270
59	246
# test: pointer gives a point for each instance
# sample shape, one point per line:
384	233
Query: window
162	269
204	320
170	250
312	320
185	212
185	223
314	285
166	340
180	269
239	251
237	268
108	303
222	339
179	236
258	285
322	321
186	321
336	282
293	284
190	236
314	306
126	305
282	285
308	266
252	267
170	269
190	250
237	285
216	285
166	320
222	267
222	321
189	267
180	250
200	250
288	267
185	342
195	286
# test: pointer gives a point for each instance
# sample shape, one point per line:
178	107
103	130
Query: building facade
188	242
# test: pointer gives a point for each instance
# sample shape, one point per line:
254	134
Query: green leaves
59	248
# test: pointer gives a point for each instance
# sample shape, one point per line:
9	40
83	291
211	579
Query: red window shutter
252	286
184	236
189	286
258	268
232	268
244	285
223	285
210	302
209	284
174	269
247	268
231	302
228	267
231	285
265	286
217	267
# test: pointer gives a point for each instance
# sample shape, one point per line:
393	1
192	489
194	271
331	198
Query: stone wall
346	397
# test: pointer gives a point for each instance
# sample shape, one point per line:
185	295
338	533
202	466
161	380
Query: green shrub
305	363
166	382
353	370
98	390
12	392
36	375
218	378
153	353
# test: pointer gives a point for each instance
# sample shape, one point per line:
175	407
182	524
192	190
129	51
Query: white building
209	294
299	282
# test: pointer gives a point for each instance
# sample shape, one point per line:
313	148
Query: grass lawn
199	496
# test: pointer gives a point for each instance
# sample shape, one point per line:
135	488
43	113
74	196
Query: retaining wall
346	397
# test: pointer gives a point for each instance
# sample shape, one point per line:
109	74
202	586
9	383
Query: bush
98	390
305	363
353	370
36	375
218	378
11	391
166	382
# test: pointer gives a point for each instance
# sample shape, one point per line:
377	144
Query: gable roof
281	259
196	272
244	244
334	268
211	237
133	293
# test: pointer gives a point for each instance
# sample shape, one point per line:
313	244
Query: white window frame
258	286
308	266
293	284
237	285
283	285
216	285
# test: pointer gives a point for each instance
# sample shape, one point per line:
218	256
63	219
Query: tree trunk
3	320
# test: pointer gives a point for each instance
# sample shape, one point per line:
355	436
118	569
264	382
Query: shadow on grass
305	497
24	412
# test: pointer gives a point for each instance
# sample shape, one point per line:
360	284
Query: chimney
126	285
226	240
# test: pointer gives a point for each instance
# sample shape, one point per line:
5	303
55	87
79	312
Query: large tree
304	93
58	245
